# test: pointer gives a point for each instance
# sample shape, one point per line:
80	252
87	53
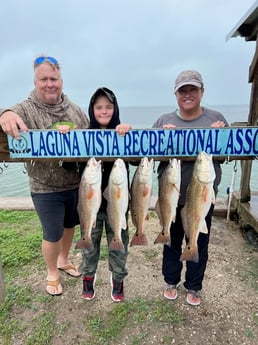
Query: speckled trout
168	194
117	196
141	189
89	202
199	197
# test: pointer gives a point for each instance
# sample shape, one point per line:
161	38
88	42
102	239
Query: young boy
104	114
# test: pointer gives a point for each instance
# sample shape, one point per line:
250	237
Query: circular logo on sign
19	144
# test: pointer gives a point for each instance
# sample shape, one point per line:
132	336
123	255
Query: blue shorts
56	211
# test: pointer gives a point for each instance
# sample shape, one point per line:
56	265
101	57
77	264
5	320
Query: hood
104	91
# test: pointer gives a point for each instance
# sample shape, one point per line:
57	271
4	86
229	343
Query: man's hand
11	123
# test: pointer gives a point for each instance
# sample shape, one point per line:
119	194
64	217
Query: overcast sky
135	47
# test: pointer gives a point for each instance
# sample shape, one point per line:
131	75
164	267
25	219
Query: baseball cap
190	77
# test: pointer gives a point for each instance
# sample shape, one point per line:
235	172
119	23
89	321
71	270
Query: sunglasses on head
39	60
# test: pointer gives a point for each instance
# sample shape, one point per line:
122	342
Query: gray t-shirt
205	120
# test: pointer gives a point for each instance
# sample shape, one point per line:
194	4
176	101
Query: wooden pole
246	167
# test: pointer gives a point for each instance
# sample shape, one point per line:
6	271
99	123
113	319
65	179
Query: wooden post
2	284
245	192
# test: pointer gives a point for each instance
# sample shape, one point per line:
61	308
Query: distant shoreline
16	203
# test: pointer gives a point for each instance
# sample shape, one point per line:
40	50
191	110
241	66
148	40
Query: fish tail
190	254
116	244
163	238
85	244
139	239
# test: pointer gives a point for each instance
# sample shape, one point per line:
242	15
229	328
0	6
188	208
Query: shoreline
24	203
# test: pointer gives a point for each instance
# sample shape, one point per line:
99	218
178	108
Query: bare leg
65	246
63	261
56	255
50	251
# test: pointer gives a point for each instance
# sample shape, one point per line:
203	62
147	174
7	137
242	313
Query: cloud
135	47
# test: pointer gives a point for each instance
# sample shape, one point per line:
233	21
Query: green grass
133	314
20	238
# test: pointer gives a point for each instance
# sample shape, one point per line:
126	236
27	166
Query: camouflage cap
190	77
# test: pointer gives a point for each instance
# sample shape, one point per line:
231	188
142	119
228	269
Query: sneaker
117	292
88	287
193	297
170	291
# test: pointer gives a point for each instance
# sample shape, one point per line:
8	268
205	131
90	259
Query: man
54	188
189	90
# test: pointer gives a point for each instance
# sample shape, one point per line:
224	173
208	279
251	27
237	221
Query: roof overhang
247	26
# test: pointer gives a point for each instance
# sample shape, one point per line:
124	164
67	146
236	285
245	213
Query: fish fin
157	209
205	194
163	238
213	198
184	220
133	216
116	244
124	224
177	189
105	193
140	240
90	194
118	193
145	191
85	244
190	254
204	228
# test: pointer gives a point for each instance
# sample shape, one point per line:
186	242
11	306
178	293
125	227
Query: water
14	180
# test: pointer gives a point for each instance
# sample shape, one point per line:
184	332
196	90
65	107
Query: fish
168	195
117	196
89	201
199	197
141	188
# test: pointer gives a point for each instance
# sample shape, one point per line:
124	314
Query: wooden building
245	202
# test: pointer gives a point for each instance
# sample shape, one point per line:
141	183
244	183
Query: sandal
71	270
193	297
170	291
56	285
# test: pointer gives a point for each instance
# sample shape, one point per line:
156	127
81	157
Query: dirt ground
228	313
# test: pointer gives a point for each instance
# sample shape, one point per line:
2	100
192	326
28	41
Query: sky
134	47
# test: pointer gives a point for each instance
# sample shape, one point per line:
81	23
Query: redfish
141	189
89	202
168	195
117	196
199	197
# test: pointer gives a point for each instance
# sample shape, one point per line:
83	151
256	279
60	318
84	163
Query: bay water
14	179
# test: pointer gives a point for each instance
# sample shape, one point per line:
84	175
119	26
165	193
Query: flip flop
56	284
193	298
71	270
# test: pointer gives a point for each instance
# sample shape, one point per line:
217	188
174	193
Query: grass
32	315
134	315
